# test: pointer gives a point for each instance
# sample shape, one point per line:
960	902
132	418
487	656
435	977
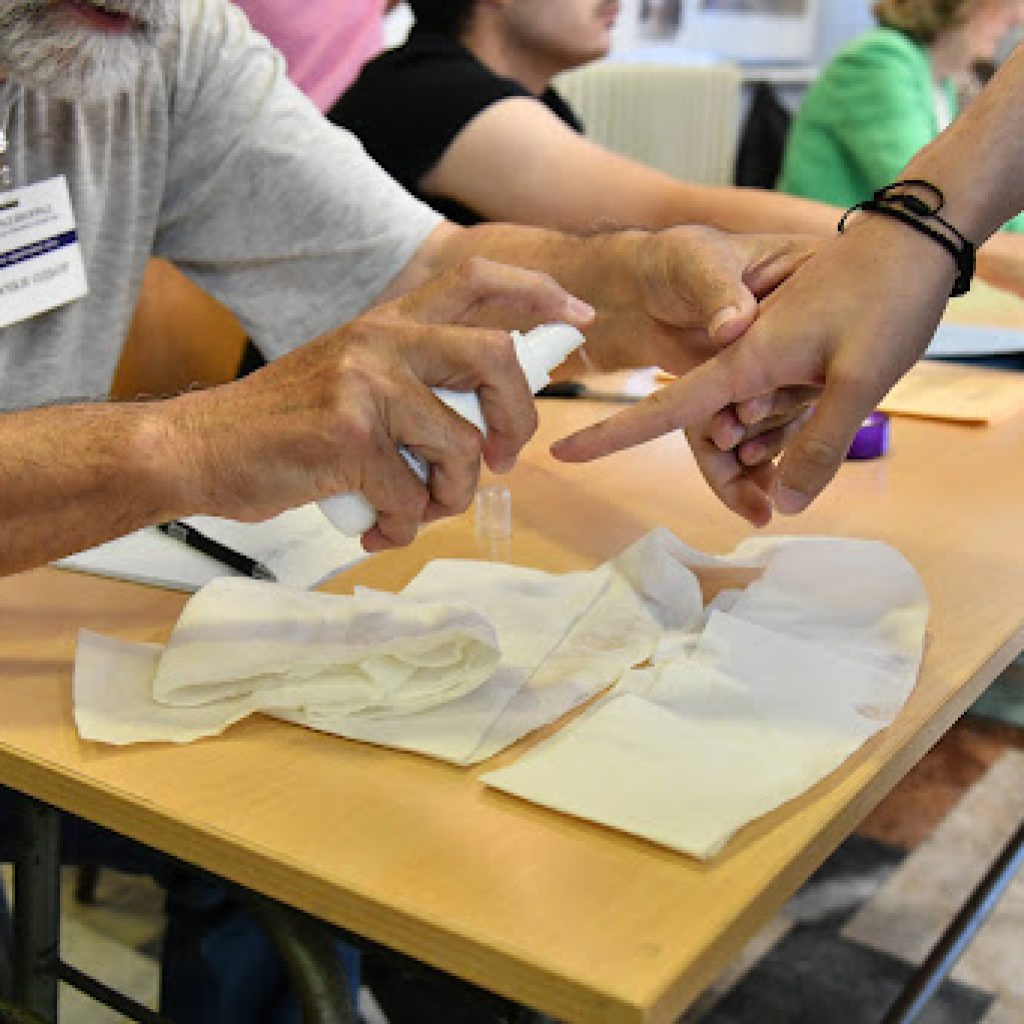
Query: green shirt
869	112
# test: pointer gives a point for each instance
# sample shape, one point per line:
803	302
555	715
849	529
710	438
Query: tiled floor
839	951
847	942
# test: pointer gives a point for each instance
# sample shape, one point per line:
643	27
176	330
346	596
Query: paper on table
786	680
573	635
530	611
300	546
962	394
242	646
568	635
986	321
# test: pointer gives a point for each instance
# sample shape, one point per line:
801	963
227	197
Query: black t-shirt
409	103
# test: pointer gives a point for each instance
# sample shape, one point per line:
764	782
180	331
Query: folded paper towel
241	646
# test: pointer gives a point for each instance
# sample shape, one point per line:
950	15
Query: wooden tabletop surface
574	919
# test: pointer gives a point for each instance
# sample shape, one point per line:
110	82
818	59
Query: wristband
913	211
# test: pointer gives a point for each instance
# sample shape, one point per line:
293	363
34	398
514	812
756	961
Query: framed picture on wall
741	30
756	30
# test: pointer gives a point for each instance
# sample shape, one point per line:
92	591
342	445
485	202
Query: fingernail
577	309
504	465
728	436
790	502
755	409
721	318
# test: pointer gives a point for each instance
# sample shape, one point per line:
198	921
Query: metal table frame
305	943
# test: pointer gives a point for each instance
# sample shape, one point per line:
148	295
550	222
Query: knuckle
530	420
819	453
475	272
497	351
354	425
465	443
853	380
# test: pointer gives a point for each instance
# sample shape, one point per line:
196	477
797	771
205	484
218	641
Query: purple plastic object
872	440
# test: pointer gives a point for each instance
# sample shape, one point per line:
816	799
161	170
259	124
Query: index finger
687	401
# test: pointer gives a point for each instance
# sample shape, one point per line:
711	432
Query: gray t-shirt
215	161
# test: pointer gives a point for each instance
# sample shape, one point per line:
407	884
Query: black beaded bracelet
912	211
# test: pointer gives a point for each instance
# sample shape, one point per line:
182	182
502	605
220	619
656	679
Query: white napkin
530	611
244	647
755	700
565	638
241	646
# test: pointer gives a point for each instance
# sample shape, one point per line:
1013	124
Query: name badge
40	259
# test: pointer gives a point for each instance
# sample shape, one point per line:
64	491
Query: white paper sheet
768	697
300	546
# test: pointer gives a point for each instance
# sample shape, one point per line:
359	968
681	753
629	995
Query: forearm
603	270
741	209
77	475
978	161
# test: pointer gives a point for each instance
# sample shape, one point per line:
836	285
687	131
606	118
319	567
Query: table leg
528	1016
307	947
961	930
36	941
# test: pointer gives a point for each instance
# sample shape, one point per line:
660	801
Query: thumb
715	288
728	323
815	454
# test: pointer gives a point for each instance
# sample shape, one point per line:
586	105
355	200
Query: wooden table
570	918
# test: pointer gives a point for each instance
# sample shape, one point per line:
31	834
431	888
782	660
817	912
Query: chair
180	338
762	144
680	119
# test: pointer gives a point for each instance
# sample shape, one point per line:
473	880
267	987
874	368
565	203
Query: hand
675	297
735	450
328	417
851	321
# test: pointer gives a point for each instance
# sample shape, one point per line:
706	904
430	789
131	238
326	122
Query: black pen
580	389
214	549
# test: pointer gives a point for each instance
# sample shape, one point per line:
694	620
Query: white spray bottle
539	351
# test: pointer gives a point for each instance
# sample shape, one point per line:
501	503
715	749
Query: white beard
43	46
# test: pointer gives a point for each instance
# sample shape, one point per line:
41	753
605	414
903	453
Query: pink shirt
325	42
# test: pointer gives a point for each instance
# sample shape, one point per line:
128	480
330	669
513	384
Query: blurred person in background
325	43
890	92
446	114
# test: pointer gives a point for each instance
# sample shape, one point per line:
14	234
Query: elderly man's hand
328	417
675	297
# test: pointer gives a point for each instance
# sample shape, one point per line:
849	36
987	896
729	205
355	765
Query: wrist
880	240
165	459
919	205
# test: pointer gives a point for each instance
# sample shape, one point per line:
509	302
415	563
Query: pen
214	549
579	389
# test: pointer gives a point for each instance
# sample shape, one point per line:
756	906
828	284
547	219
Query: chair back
680	119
